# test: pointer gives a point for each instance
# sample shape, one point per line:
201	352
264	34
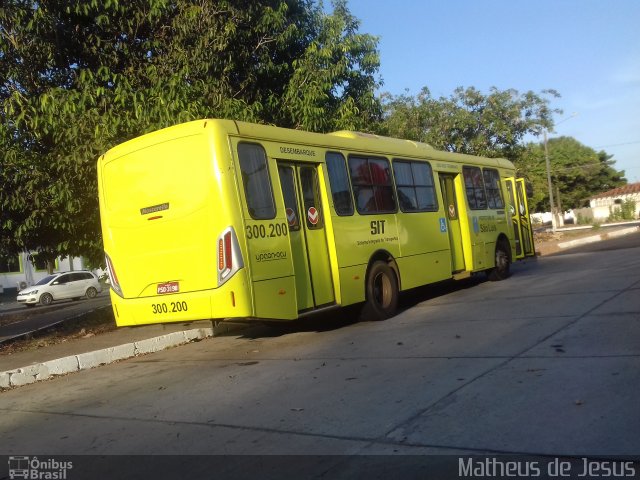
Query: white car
59	286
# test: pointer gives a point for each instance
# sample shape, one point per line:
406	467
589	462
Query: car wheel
46	299
91	292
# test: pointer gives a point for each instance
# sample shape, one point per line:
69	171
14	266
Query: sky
587	50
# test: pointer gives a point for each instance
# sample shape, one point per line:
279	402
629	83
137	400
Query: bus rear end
167	204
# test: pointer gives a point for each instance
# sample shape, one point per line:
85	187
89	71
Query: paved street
40	317
545	363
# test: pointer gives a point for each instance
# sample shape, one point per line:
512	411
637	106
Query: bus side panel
352	284
275	298
425	249
267	247
359	237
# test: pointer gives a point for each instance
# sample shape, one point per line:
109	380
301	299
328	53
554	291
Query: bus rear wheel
381	292
503	262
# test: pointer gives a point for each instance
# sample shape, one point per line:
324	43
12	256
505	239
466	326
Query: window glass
311	197
492	187
339	181
372	187
257	184
359	171
474	188
414	182
45	280
402	171
422	173
9	264
287	180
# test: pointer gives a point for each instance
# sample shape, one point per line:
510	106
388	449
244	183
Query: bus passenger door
525	219
447	186
519	211
305	216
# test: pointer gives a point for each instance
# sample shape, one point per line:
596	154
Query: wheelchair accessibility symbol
443	225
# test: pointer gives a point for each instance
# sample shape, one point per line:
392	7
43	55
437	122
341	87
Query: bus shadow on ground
325	321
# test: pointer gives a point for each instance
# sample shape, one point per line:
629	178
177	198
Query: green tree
577	172
469	121
78	77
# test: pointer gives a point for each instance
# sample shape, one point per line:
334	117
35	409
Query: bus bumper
231	300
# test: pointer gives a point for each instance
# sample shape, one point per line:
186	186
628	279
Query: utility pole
546	158
554	219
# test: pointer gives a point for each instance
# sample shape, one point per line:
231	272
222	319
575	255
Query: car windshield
46	280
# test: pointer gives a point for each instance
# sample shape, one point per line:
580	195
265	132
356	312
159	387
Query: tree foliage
78	77
469	121
577	172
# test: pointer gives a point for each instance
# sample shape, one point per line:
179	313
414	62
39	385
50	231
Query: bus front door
519	211
447	186
305	216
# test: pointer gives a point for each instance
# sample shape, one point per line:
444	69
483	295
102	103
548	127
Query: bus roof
343	139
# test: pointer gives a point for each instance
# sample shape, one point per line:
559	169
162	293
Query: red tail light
227	251
113	277
229	255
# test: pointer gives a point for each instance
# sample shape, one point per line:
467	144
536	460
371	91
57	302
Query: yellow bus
219	219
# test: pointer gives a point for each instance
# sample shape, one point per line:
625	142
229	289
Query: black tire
381	292
91	292
46	299
503	262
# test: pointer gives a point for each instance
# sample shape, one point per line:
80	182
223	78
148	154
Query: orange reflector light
220	255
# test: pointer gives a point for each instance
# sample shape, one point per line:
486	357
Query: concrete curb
84	361
597	238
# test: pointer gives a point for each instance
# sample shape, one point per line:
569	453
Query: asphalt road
41	317
546	363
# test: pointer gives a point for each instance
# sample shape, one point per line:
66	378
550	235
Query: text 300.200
172	307
268	230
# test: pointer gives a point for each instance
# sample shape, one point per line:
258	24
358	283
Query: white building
603	204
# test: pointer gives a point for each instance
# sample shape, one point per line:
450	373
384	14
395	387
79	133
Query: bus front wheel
503	262
381	292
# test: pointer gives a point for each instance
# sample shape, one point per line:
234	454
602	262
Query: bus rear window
256	181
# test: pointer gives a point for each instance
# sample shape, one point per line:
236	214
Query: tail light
229	255
113	278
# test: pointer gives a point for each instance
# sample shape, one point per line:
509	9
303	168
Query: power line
618	144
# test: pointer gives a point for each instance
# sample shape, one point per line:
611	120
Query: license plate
169	287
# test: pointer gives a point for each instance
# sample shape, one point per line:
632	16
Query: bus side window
256	181
372	187
339	181
492	187
414	184
474	187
